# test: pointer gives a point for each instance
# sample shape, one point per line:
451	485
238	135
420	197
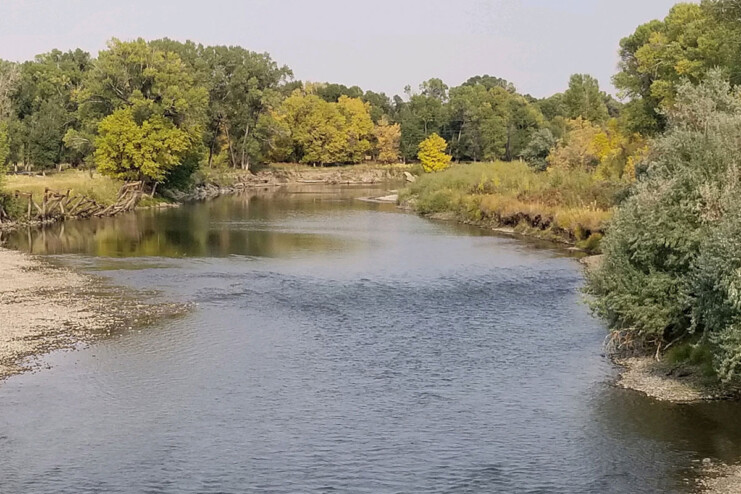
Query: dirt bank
675	383
44	307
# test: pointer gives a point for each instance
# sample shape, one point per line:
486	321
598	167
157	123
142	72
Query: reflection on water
341	346
231	225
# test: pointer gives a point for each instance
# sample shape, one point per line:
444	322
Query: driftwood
56	205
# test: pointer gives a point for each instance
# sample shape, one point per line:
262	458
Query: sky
382	45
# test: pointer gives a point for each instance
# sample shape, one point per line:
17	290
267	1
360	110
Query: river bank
44	307
207	184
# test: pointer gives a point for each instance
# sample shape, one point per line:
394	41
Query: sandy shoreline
45	307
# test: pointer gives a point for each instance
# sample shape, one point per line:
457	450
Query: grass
98	187
566	205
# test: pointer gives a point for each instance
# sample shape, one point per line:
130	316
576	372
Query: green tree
422	115
130	150
490	82
44	107
583	99
671	267
432	154
142	93
660	55
244	86
538	149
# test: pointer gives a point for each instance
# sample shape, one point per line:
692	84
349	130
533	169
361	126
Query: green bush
672	266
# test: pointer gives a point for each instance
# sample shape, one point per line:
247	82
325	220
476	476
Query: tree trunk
211	152
245	164
231	148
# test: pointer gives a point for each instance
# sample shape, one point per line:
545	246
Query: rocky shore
44	307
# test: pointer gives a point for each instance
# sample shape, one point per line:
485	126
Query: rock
409	177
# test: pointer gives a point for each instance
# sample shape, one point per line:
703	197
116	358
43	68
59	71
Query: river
339	346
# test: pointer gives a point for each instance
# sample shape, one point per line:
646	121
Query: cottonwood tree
583	99
660	55
148	95
388	137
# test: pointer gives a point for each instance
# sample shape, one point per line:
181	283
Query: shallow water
340	346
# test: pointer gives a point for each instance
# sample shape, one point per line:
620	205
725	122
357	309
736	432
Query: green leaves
128	150
672	259
660	55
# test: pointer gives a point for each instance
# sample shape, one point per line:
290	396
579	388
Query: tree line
156	110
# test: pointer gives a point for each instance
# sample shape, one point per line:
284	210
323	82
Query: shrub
672	267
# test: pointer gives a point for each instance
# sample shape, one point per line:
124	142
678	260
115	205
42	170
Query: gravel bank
44	307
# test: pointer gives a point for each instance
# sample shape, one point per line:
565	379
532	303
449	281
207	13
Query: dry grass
98	187
572	205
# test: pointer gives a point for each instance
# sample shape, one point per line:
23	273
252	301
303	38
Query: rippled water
340	346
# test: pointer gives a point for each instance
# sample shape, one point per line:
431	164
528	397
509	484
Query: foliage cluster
672	267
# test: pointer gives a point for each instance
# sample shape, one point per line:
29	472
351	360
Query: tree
314	129
243	86
140	94
672	266
660	55
9	77
432	154
578	150
130	150
380	106
583	99
357	128
421	116
540	146
331	93
388	137
490	82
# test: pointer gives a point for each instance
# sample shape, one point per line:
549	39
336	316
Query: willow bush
672	266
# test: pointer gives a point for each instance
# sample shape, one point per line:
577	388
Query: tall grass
98	187
571	205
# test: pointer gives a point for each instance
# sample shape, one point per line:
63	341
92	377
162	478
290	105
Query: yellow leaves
602	150
432	154
323	132
580	148
388	139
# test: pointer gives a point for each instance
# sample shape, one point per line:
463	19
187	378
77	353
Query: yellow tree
388	139
579	149
358	127
432	154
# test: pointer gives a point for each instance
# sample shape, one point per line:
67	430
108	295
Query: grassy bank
566	206
96	186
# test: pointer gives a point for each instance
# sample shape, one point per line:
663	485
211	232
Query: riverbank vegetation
560	205
671	271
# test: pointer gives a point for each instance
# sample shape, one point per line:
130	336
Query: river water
339	346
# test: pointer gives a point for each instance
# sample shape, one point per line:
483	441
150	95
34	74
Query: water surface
340	346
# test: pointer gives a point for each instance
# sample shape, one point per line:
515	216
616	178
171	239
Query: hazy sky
381	44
